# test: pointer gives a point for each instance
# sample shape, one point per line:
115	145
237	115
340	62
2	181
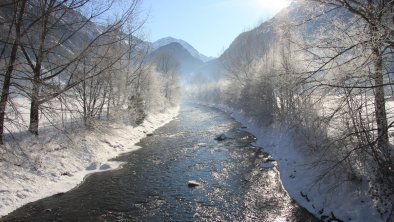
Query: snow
347	202
56	162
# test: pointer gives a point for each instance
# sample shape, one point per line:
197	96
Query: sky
208	25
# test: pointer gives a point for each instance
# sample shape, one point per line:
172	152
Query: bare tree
351	57
12	40
48	63
169	67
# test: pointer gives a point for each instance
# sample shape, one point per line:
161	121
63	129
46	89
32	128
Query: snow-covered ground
56	162
347	202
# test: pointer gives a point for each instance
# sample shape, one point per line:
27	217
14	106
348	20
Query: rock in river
193	183
105	167
221	137
93	166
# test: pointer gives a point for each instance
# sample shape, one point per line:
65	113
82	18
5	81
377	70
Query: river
152	185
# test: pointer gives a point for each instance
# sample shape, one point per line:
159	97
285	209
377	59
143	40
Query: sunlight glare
271	4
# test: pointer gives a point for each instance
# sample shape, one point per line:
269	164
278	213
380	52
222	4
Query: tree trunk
108	105
5	91
34	106
6	88
380	105
85	118
62	110
35	103
10	68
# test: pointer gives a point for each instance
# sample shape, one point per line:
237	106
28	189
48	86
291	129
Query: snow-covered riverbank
56	162
327	199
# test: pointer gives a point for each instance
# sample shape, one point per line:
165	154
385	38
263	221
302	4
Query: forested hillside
63	61
321	72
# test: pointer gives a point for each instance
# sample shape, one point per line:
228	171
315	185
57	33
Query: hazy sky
208	25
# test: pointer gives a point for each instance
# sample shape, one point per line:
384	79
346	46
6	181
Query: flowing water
152	184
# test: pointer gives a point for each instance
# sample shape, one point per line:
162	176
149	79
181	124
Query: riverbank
56	162
326	200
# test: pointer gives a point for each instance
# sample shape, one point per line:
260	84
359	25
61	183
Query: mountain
70	36
258	40
250	44
167	40
178	55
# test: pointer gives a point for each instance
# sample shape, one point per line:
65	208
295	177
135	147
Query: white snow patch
57	162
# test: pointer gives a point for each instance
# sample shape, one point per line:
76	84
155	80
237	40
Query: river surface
152	184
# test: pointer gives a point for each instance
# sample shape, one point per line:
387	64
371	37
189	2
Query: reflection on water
152	186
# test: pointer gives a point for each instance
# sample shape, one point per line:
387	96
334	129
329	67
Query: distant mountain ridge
252	43
186	61
168	40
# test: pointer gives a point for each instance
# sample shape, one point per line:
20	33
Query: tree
47	61
351	57
168	66
12	40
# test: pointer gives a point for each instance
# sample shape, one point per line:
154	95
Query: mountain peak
175	47
167	40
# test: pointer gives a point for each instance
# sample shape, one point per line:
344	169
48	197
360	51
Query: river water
152	184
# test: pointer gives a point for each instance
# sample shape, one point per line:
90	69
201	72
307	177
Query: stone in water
193	183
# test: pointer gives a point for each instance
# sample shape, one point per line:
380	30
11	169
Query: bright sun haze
208	25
